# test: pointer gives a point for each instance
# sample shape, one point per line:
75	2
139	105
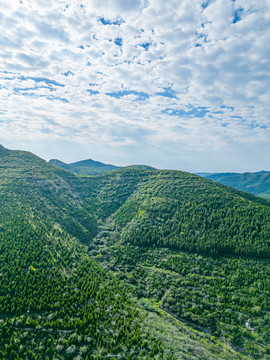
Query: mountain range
257	183
92	167
131	264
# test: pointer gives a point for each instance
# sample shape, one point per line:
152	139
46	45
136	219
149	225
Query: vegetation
225	297
55	301
255	183
184	211
85	167
92	167
130	264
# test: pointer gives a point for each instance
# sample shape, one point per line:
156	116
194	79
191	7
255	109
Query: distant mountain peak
92	163
93	167
84	167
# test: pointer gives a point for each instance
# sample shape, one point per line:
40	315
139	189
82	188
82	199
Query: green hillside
255	183
184	211
131	264
55	301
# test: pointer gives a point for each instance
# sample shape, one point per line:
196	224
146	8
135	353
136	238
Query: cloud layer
180	84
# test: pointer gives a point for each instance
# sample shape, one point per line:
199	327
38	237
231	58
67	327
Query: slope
224	299
55	301
145	298
185	211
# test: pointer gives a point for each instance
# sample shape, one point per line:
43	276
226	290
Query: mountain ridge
257	183
128	262
92	167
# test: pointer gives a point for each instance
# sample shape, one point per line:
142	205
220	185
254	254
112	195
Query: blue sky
173	84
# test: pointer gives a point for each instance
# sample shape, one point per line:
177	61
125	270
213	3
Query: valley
130	264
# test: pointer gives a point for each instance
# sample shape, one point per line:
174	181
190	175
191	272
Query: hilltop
92	167
84	167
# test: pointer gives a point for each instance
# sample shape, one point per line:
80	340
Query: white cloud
117	7
59	60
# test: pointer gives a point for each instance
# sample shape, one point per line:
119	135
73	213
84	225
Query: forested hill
89	266
165	208
257	183
85	167
55	301
187	212
92	167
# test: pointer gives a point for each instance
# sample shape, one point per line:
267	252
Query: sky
173	84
